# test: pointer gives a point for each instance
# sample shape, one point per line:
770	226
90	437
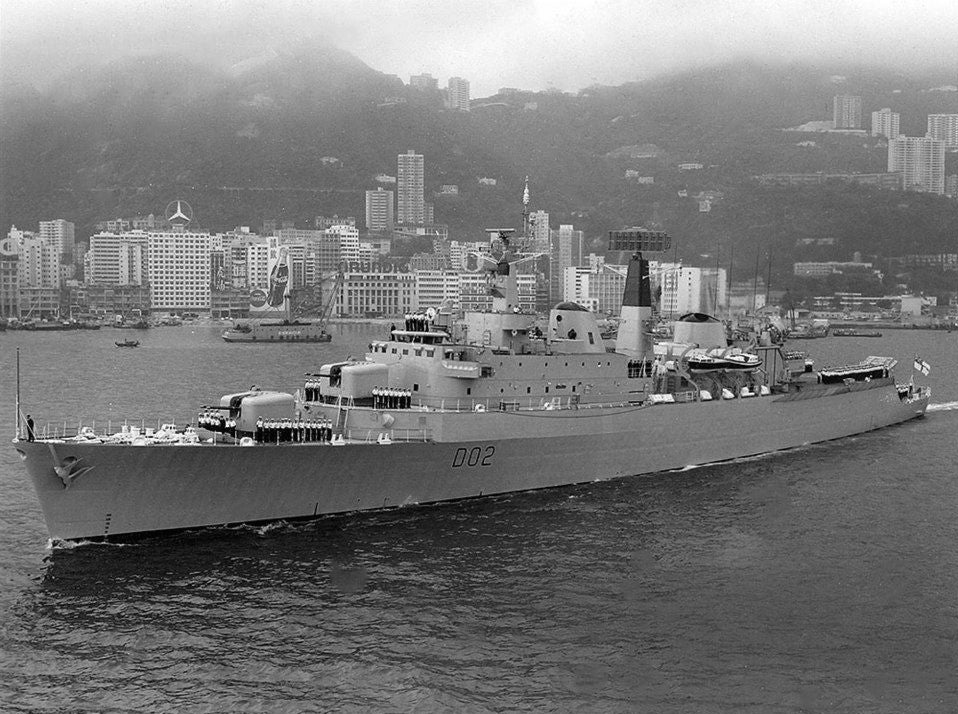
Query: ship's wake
943	407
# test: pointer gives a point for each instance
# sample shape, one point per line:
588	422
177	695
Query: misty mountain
294	134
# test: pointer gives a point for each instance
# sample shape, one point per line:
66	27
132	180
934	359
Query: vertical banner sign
270	300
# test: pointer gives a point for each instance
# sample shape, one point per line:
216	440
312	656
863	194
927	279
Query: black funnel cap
638	289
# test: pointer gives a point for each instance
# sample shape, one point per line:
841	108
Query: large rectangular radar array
639	240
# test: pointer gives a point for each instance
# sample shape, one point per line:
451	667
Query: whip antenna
16	432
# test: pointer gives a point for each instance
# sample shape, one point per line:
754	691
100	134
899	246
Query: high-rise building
9	278
459	249
179	269
847	111
568	244
945	128
118	258
920	161
348	242
565	252
598	287
539	231
410	189
885	123
257	265
61	236
379	210
39	273
691	289
39	259
457	94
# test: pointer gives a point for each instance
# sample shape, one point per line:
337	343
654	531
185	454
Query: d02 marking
473	457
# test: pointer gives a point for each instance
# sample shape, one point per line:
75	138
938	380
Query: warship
442	409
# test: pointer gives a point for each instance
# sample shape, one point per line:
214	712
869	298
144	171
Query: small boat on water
128	343
284	328
809	331
277	331
852	332
867	370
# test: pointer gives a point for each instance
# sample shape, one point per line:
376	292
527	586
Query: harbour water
822	579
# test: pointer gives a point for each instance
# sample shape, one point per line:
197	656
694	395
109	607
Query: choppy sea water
822	579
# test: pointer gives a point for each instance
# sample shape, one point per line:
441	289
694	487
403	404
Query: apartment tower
457	94
410	203
847	111
920	161
885	123
944	127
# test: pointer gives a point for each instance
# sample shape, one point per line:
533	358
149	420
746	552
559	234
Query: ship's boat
442	409
700	360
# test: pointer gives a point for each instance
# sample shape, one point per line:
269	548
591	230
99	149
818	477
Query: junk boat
441	410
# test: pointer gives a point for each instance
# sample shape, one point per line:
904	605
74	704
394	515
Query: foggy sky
530	44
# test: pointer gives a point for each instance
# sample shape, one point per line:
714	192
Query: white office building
60	235
257	265
376	294
118	258
348	242
690	289
434	287
598	287
38	261
179	270
379	210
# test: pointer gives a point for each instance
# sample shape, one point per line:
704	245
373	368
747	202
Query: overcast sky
530	44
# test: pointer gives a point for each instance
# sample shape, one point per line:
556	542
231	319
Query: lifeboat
716	359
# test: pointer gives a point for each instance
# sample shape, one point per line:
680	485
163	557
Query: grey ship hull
119	489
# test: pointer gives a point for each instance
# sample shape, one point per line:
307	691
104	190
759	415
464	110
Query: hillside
302	133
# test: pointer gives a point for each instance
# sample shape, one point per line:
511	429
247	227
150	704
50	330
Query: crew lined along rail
270	431
383	397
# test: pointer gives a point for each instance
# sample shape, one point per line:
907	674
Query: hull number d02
476	456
